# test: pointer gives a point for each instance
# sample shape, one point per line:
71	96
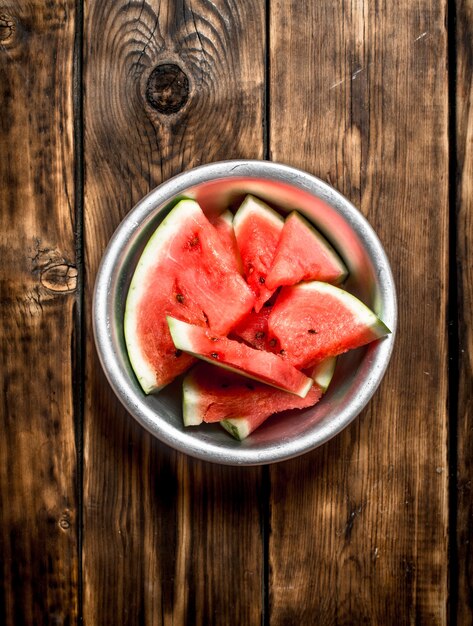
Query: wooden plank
38	508
464	156
359	527
163	532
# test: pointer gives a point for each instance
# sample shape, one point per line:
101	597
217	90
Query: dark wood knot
65	521
60	277
168	88
7	28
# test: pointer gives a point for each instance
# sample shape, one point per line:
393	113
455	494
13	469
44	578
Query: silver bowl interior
358	373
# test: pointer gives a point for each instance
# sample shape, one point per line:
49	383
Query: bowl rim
125	233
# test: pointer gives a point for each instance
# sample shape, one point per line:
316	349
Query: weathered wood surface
167	540
464	236
356	532
359	527
38	505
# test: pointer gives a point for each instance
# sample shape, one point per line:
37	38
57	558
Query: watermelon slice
223	223
257	229
185	271
211	394
254	416
315	320
254	329
303	254
238	357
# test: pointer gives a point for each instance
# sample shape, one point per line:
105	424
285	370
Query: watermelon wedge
185	271
315	320
303	254
211	394
223	223
257	229
241	427
238	357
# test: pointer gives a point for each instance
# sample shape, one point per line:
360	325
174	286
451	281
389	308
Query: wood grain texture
167	540
359	527
464	144
38	513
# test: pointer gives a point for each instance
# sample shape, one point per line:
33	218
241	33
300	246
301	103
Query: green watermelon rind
191	413
180	335
251	204
322	373
326	245
171	224
237	427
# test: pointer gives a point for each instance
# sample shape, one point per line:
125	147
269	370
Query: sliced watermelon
241	427
238	357
315	320
304	254
185	271
211	394
224	226
254	329
254	416
257	228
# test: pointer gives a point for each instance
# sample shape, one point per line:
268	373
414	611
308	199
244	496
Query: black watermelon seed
180	298
261	280
282	351
178	353
213	338
259	335
312	331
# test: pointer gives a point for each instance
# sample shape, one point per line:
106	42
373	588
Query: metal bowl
358	373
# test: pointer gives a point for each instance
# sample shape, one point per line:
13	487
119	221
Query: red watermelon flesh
211	394
254	329
184	271
257	228
238	357
223	223
315	320
303	254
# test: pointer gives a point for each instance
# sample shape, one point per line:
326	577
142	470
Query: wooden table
102	100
